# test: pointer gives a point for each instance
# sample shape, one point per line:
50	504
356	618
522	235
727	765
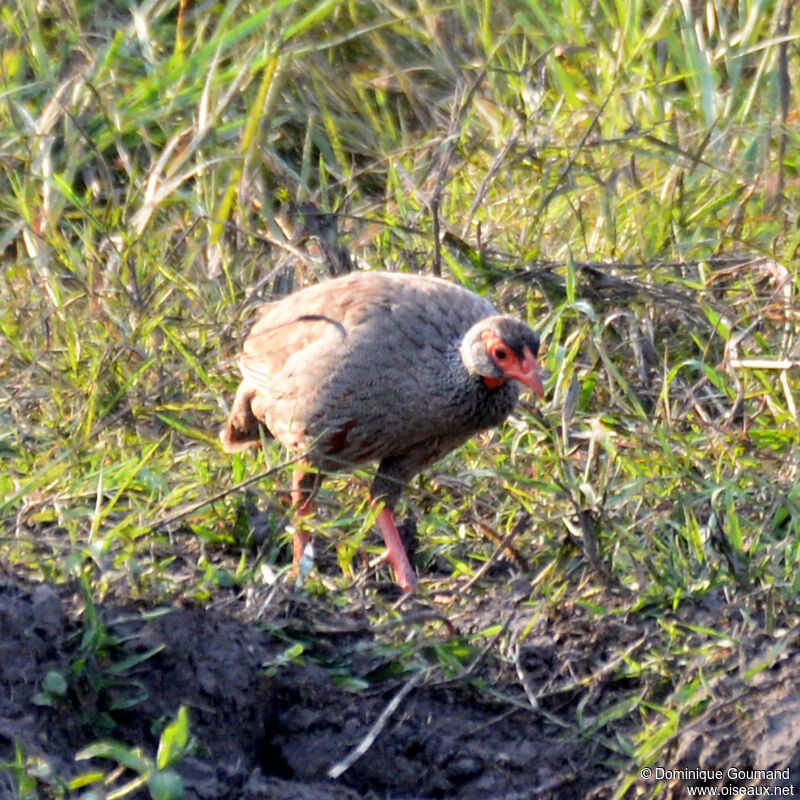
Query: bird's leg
393	474
303	485
404	573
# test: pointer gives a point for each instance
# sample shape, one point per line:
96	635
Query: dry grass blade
338	769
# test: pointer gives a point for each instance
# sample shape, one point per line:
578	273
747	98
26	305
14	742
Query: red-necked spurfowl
375	366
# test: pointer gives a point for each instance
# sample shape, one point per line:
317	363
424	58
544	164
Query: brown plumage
378	366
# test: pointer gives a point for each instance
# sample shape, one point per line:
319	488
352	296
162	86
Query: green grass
621	174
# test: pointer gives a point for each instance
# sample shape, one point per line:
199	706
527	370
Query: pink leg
403	571
302	483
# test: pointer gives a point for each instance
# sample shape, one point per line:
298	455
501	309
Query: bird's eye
501	354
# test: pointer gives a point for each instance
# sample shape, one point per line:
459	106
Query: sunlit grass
612	172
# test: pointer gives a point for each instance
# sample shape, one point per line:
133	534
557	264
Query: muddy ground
268	726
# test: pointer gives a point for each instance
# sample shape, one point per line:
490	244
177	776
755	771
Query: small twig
524	680
764	363
493	170
338	769
423	615
443	157
587	521
787	393
512	552
518	527
600	674
573	157
785	90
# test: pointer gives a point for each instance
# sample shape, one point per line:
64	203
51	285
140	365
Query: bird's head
500	349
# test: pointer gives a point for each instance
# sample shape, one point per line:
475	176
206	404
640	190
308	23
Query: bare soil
267	727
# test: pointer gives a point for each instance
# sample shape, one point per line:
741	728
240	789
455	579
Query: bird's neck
480	401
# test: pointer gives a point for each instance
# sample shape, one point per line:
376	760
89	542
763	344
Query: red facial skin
525	370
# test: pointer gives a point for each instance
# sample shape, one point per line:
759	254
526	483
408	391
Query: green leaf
174	740
165	785
131	758
55	683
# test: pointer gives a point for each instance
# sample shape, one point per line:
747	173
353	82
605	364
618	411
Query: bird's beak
527	371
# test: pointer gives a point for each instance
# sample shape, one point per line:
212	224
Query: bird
388	367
